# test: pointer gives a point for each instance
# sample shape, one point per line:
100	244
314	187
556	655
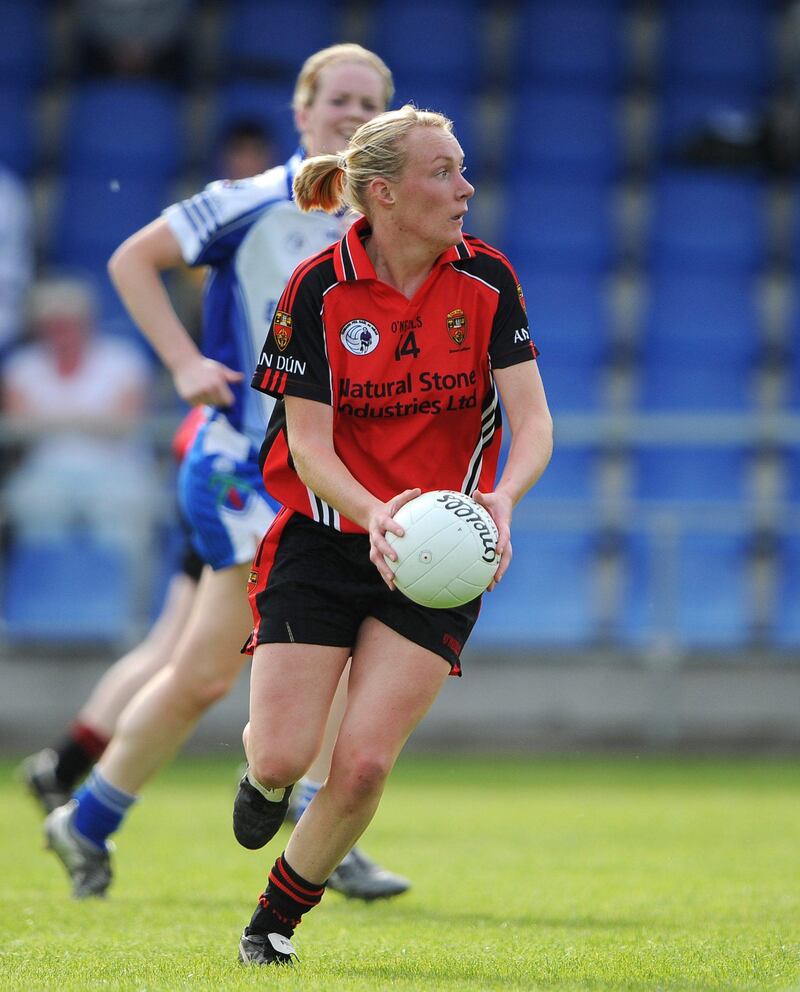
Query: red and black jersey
410	381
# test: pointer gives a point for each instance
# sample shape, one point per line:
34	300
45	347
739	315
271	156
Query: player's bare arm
135	269
531	426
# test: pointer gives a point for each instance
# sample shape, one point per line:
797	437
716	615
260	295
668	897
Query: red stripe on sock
90	740
280	864
274	880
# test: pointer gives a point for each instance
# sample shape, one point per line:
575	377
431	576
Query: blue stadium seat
569	313
94	216
571	476
547	595
711	222
23	49
554	225
570	324
695	388
425	42
791	468
786	629
708	42
695	590
266	101
124	131
17	140
701	339
564	133
72	590
700	473
572	41
572	387
684	111
276	38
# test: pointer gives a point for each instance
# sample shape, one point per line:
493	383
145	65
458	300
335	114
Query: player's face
348	94
432	193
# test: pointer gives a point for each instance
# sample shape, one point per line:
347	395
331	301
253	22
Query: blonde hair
378	148
62	296
305	89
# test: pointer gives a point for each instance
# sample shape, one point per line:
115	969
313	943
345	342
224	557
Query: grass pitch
574	874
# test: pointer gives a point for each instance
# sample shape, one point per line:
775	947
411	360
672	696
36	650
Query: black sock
284	901
79	750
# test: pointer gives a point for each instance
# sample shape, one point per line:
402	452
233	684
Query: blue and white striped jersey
252	236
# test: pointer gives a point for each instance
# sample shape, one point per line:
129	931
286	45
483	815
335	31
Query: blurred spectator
246	149
134	38
16	256
78	391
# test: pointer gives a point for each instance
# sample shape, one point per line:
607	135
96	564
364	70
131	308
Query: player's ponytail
319	184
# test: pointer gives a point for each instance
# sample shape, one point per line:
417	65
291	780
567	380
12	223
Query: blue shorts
222	495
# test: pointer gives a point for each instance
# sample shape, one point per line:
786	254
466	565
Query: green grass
528	874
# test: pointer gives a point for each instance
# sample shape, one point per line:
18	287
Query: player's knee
275	771
364	778
201	694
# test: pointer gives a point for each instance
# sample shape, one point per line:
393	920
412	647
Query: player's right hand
382	521
205	381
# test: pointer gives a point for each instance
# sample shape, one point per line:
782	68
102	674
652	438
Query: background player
252	236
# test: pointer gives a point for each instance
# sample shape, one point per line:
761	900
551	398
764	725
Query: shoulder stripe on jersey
195	219
214	233
288	295
207	216
482	248
212	207
471	275
485	248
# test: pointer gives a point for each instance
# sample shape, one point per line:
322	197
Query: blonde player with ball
389	352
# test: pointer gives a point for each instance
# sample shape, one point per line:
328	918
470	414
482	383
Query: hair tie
342	163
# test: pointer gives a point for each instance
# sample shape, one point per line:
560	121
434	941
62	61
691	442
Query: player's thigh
210	646
393	683
292	687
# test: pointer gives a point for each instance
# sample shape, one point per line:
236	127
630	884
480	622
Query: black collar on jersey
351	262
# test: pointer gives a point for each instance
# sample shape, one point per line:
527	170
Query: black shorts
192	564
314	585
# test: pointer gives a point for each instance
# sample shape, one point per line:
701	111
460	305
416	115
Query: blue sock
101	807
304	792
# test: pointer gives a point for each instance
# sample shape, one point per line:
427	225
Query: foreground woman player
390	350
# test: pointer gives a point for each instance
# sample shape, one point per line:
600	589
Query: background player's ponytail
377	149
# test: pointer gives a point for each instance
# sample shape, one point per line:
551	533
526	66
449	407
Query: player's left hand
382	521
500	507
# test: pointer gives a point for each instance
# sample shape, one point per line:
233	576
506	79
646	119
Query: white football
448	554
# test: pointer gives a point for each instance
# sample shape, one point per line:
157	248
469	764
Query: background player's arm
135	269
521	390
309	428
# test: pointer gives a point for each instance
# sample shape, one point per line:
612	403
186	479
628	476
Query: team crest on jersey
359	336
457	326
521	298
282	329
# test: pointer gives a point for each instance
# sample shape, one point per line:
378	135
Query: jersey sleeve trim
528	353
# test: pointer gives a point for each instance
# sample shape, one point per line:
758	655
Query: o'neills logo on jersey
282	329
359	336
457	326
